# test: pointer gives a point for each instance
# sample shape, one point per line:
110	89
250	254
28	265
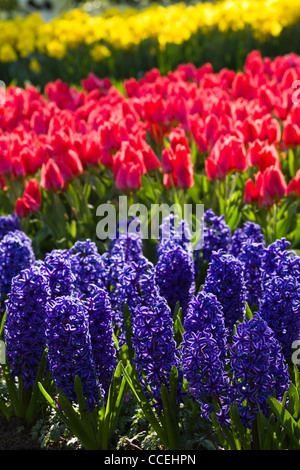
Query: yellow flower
56	49
99	52
7	53
35	66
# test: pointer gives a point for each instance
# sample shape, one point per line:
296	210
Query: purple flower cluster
175	276
24	327
225	279
280	308
70	349
16	254
258	368
100	319
217	235
87	265
155	348
249	232
205	313
251	255
58	272
137	284
129	241
204	370
9	223
175	269
204	353
279	260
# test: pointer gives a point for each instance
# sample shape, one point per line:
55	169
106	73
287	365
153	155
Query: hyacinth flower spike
82	403
24	334
225	279
156	378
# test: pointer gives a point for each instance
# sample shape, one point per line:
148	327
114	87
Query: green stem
275	210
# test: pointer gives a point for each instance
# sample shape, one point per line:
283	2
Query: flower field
184	341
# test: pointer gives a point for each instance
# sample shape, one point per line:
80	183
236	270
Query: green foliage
95	428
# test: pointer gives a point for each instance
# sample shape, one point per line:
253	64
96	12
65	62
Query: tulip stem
274	221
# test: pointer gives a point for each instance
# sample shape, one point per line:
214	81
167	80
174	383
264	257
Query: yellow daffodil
124	28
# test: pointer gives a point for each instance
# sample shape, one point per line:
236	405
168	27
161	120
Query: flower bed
180	348
123	43
198	133
174	329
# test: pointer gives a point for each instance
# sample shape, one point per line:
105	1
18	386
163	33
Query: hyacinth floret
155	348
87	266
258	368
251	254
250	232
225	279
176	229
205	313
101	332
279	260
9	223
24	327
203	368
130	240
280	308
70	349
137	284
175	275
217	235
16	254
58	270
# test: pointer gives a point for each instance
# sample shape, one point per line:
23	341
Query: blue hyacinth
130	240
250	232
100	318
205	313
251	255
175	229
137	284
16	254
279	260
155	348
280	308
217	235
25	323
87	266
258	368
175	274
9	223
70	349
204	370
58	270
225	279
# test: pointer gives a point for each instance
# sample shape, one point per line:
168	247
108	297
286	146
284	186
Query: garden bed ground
14	436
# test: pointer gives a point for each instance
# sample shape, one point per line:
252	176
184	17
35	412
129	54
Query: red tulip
31	200
21	209
291	134
167	160
92	82
183	168
271	186
128	167
51	177
5	157
294	185
251	193
228	154
263	155
128	177
32	195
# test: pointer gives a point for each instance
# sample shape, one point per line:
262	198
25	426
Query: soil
15	436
